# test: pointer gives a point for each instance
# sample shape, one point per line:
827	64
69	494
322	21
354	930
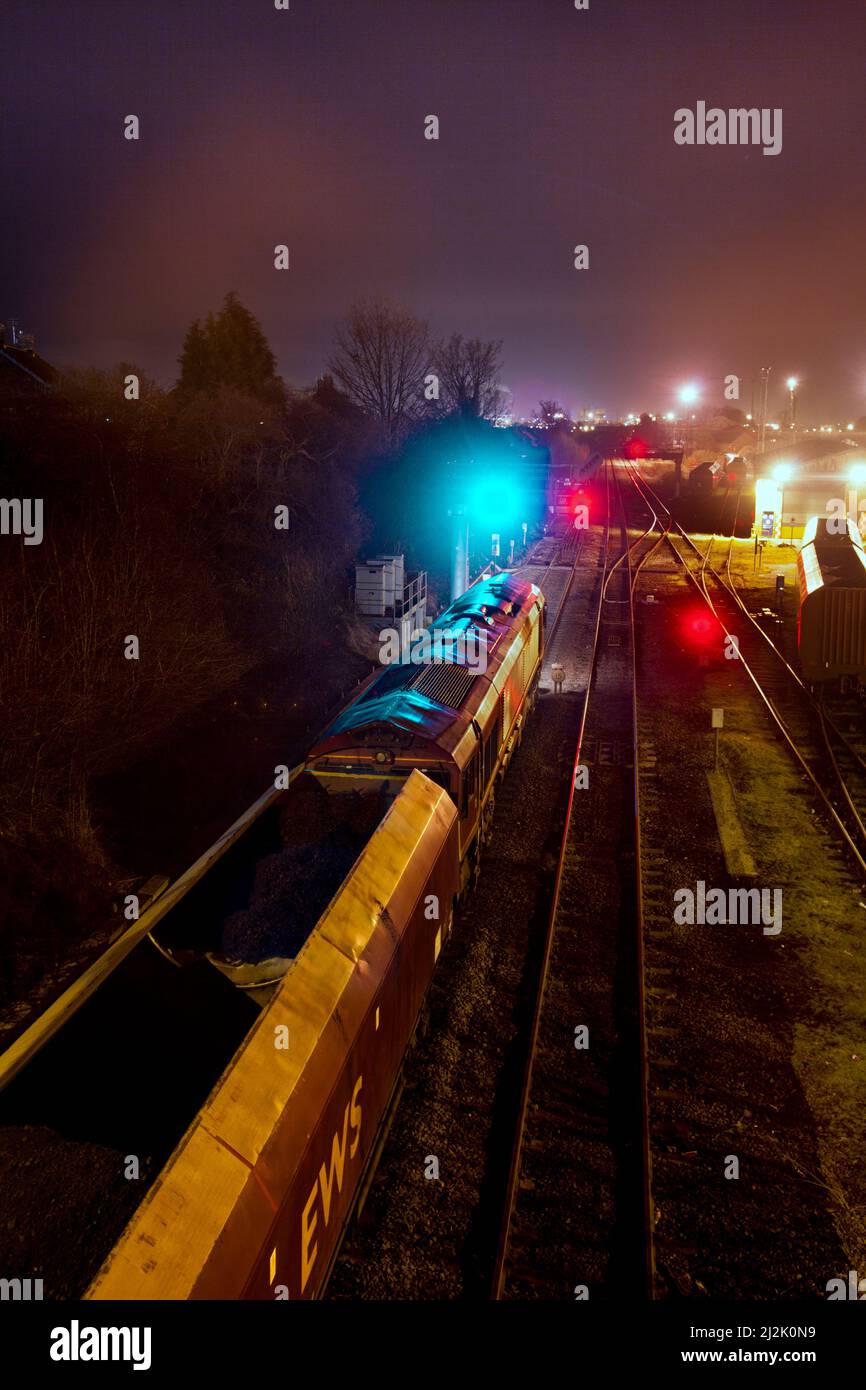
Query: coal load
322	837
307	813
63	1204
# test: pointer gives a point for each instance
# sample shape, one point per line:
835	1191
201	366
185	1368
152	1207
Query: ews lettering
324	1185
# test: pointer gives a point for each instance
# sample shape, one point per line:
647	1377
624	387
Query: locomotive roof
425	698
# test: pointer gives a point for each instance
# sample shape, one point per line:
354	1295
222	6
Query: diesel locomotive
459	724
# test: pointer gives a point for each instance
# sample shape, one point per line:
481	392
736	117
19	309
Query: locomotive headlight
857	473
380	756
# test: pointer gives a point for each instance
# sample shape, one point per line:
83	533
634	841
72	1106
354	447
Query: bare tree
468	376
552	413
380	358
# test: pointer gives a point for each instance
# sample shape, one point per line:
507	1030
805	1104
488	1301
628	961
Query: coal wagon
254	1199
831	625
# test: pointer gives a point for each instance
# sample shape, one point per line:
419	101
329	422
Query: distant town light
849	427
669	415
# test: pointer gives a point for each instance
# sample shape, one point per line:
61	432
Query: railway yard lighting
783	473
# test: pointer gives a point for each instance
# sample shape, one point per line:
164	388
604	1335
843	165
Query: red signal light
636	448
700	628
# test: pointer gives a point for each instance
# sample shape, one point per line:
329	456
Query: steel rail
699	581
501	1264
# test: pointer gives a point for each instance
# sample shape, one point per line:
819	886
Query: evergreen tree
194	360
229	351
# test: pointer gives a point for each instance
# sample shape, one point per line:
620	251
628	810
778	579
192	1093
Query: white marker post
718	723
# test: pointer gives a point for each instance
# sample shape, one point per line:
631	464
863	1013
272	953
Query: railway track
723	1006
439	1238
824	752
578	1211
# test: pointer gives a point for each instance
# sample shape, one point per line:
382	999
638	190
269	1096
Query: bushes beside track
159	524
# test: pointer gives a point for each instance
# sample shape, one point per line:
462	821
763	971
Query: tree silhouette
379	358
552	413
468	372
230	350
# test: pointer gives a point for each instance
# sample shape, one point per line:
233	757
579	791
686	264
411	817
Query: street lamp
765	381
689	393
792	385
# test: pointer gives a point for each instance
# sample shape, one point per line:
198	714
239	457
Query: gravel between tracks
753	1044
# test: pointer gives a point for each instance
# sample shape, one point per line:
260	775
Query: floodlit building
814	477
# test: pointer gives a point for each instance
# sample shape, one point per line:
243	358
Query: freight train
831	624
705	477
253	1201
575	486
715	474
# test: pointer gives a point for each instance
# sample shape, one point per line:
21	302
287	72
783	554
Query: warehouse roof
18	364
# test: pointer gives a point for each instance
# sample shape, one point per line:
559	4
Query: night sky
261	126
